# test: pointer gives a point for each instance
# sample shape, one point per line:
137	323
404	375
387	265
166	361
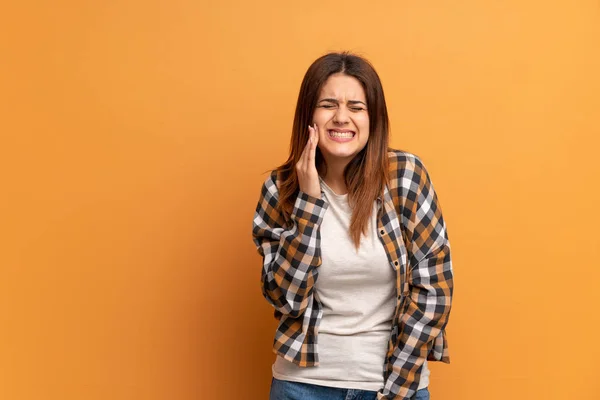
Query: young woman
356	258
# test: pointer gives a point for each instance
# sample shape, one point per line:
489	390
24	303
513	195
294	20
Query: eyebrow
337	102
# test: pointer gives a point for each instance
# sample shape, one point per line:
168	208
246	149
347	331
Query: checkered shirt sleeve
291	251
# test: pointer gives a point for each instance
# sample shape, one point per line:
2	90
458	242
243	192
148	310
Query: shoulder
274	182
268	210
403	162
270	186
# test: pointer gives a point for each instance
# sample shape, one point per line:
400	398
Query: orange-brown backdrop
135	135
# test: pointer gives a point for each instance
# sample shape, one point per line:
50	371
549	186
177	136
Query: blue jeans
286	390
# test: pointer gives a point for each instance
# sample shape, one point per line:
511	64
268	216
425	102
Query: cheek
320	117
363	123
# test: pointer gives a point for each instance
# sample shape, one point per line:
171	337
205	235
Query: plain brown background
134	139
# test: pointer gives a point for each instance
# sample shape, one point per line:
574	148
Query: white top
358	294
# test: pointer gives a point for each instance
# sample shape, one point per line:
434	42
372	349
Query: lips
341	136
343	133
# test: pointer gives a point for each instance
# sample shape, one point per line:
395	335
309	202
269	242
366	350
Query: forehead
340	86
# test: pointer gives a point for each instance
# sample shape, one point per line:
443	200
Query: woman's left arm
426	307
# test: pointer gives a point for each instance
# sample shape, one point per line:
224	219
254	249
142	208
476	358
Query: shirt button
395	262
382	232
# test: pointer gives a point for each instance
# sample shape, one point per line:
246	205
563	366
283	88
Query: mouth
341	135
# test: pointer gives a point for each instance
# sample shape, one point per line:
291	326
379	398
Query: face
342	118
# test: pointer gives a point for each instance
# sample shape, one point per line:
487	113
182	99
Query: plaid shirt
413	233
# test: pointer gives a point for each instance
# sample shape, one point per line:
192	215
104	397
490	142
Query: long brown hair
367	173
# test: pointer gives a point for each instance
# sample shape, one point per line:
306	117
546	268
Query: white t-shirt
358	294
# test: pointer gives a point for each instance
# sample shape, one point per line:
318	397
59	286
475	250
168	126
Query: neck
334	176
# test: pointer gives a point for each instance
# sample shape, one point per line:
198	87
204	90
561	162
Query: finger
311	155
304	155
313	147
310	141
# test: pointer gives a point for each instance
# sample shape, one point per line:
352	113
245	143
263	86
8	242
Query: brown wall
135	135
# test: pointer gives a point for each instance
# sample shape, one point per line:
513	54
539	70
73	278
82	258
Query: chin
339	153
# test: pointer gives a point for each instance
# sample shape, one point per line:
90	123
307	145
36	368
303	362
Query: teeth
341	134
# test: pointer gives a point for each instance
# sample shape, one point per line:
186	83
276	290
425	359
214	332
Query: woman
356	258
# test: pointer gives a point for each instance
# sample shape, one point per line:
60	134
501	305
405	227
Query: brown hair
367	173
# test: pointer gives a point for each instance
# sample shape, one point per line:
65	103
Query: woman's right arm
291	252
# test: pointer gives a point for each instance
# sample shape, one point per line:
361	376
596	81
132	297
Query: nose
341	116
